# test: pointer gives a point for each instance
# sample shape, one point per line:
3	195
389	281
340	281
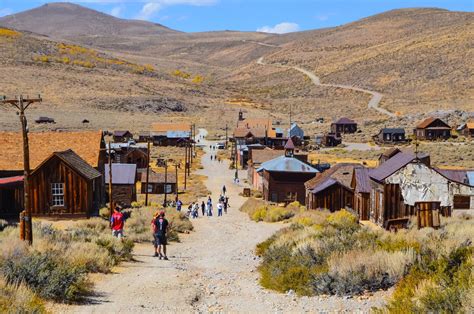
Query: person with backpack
117	222
160	225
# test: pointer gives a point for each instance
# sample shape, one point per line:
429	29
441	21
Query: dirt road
373	103
213	269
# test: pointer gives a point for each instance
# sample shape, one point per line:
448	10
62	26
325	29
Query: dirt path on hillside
373	103
213	269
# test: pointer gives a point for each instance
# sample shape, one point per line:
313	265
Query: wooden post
236	176
147	173
190	158
191	146
176	174
226	136
166	183
111	199
185	164
26	218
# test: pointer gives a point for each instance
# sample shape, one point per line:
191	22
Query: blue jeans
219	212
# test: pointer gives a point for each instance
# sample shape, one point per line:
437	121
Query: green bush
47	275
119	250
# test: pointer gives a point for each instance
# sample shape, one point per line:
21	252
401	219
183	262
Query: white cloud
5	11
152	7
322	17
282	28
117	11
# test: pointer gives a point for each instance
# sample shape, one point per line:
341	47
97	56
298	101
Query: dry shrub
19	299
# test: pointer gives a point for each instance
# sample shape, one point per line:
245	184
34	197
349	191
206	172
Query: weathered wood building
171	134
467	129
360	184
136	156
433	129
122	136
124	177
65	185
258	131
11	197
344	125
283	177
331	139
158	183
256	158
331	189
390	136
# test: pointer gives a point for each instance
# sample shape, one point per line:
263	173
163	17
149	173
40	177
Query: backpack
153	225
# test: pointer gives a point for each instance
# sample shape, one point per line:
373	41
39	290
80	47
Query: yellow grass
334	159
4	32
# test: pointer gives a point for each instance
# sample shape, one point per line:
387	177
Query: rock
290	293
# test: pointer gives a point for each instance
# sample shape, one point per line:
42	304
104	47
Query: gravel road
212	269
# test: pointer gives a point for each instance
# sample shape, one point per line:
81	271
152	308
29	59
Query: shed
123	183
11	197
331	189
467	129
65	185
331	139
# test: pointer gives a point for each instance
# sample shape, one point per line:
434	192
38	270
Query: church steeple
289	148
241	115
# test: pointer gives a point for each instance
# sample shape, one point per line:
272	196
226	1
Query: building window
291	196
57	191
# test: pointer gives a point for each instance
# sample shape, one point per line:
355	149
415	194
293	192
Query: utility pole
166	183
226	136
147	173
111	201
19	103
236	176
176	165
185	164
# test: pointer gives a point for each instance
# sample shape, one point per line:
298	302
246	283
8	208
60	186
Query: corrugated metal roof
391	166
177	134
121	173
286	164
470	177
340	172
460	176
362	180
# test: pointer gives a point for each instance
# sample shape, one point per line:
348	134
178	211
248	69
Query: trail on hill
213	269
373	103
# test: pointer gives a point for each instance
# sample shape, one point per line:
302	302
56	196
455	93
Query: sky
275	16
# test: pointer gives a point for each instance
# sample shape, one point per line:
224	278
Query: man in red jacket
117	221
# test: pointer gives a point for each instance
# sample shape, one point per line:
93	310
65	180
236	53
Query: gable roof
344	120
392	130
86	144
390	152
459	176
178	134
340	173
11	181
389	167
121	173
121	133
286	164
428	121
74	161
171	126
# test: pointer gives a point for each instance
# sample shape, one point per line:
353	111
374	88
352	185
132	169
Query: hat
162	213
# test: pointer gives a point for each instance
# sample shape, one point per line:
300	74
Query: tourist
117	221
179	204
203	208
219	209
224	190
225	205
160	227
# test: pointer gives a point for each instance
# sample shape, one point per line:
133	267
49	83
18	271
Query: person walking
117	222
160	228
203	208
209	206
219	209
225	206
227	201
224	189
179	204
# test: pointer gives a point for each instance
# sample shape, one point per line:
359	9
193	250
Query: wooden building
158	182
171	134
467	129
89	145
258	131
344	125
433	129
136	156
360	184
331	189
65	185
256	158
11	197
391	152
283	177
122	136
390	136
331	139
124	177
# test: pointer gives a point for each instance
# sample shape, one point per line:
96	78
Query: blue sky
245	15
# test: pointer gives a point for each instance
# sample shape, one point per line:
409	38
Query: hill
68	21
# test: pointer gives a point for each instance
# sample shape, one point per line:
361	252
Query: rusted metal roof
121	173
344	120
391	166
159	177
460	176
289	144
341	173
286	164
362	178
427	122
262	155
11	180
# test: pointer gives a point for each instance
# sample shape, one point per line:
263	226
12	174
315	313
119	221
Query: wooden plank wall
428	214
